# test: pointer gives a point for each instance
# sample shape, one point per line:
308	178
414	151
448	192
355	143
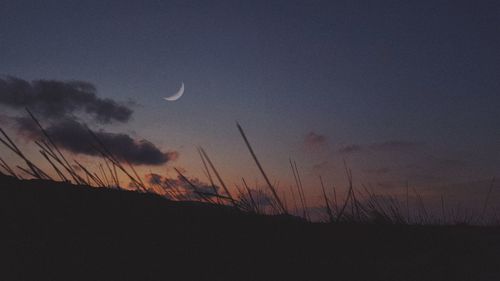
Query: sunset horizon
297	118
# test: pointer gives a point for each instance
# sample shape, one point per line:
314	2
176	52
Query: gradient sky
402	91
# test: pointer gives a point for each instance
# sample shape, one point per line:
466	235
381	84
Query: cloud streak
388	146
351	148
395	145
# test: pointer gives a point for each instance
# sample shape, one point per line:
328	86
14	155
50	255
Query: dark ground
55	231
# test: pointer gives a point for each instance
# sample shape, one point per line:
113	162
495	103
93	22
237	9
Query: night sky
404	92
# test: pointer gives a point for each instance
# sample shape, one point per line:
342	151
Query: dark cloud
60	99
62	104
154	179
183	185
74	137
313	139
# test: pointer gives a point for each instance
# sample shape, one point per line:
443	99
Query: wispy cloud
321	167
315	140
351	148
393	145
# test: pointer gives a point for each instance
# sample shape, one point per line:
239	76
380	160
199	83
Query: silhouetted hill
58	231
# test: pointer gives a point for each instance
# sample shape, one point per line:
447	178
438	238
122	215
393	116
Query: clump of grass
33	170
8	169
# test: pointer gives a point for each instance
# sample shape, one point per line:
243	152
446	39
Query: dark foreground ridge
57	231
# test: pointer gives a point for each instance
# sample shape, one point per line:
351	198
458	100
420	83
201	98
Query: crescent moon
177	95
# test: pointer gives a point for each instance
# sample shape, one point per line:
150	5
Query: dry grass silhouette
358	206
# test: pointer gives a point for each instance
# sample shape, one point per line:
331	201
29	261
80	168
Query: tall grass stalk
301	190
209	175
270	186
301	197
219	178
328	209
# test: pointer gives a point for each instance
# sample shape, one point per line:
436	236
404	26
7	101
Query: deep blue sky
425	73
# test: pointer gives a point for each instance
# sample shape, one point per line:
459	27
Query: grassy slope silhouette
59	231
95	230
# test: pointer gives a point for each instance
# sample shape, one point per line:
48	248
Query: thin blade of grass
276	197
